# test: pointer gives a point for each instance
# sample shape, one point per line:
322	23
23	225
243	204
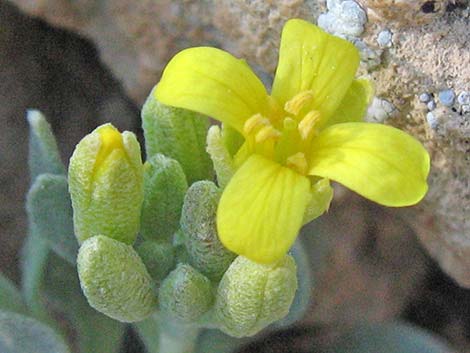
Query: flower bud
106	185
158	257
164	189
322	194
198	221
221	158
185	294
115	280
251	296
179	134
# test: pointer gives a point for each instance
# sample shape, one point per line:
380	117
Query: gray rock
432	120
447	97
431	105
425	97
464	98
385	38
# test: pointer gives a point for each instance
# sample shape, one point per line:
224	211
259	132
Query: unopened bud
106	185
185	294
164	189
115	280
198	221
251	296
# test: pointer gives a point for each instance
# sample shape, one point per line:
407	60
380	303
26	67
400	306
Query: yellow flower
307	129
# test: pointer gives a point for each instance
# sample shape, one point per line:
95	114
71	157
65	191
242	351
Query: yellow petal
261	210
354	105
379	162
311	59
215	83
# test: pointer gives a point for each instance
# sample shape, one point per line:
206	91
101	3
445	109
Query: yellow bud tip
307	123
299	101
111	139
298	162
267	132
255	121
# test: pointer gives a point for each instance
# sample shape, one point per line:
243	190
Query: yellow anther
298	162
307	123
295	105
254	122
267	132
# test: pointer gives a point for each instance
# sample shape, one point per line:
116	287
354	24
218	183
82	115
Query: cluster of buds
148	236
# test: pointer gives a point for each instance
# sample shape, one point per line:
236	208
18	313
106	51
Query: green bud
221	158
251	296
164	189
106	185
115	280
159	258
179	134
232	139
185	294
198	221
322	194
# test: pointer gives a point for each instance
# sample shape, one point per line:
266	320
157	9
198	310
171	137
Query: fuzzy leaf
44	155
33	260
50	213
10	297
22	334
179	134
95	332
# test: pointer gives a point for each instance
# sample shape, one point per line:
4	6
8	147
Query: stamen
295	105
298	162
307	123
267	132
254	122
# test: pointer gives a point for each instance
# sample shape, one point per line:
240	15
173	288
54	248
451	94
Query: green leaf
95	332
179	134
50	213
395	337
10	296
22	334
44	155
33	260
164	189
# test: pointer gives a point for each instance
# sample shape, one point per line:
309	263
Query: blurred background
84	62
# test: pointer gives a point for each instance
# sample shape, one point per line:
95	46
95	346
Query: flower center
285	140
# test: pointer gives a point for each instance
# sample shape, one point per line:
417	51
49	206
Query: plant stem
176	338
